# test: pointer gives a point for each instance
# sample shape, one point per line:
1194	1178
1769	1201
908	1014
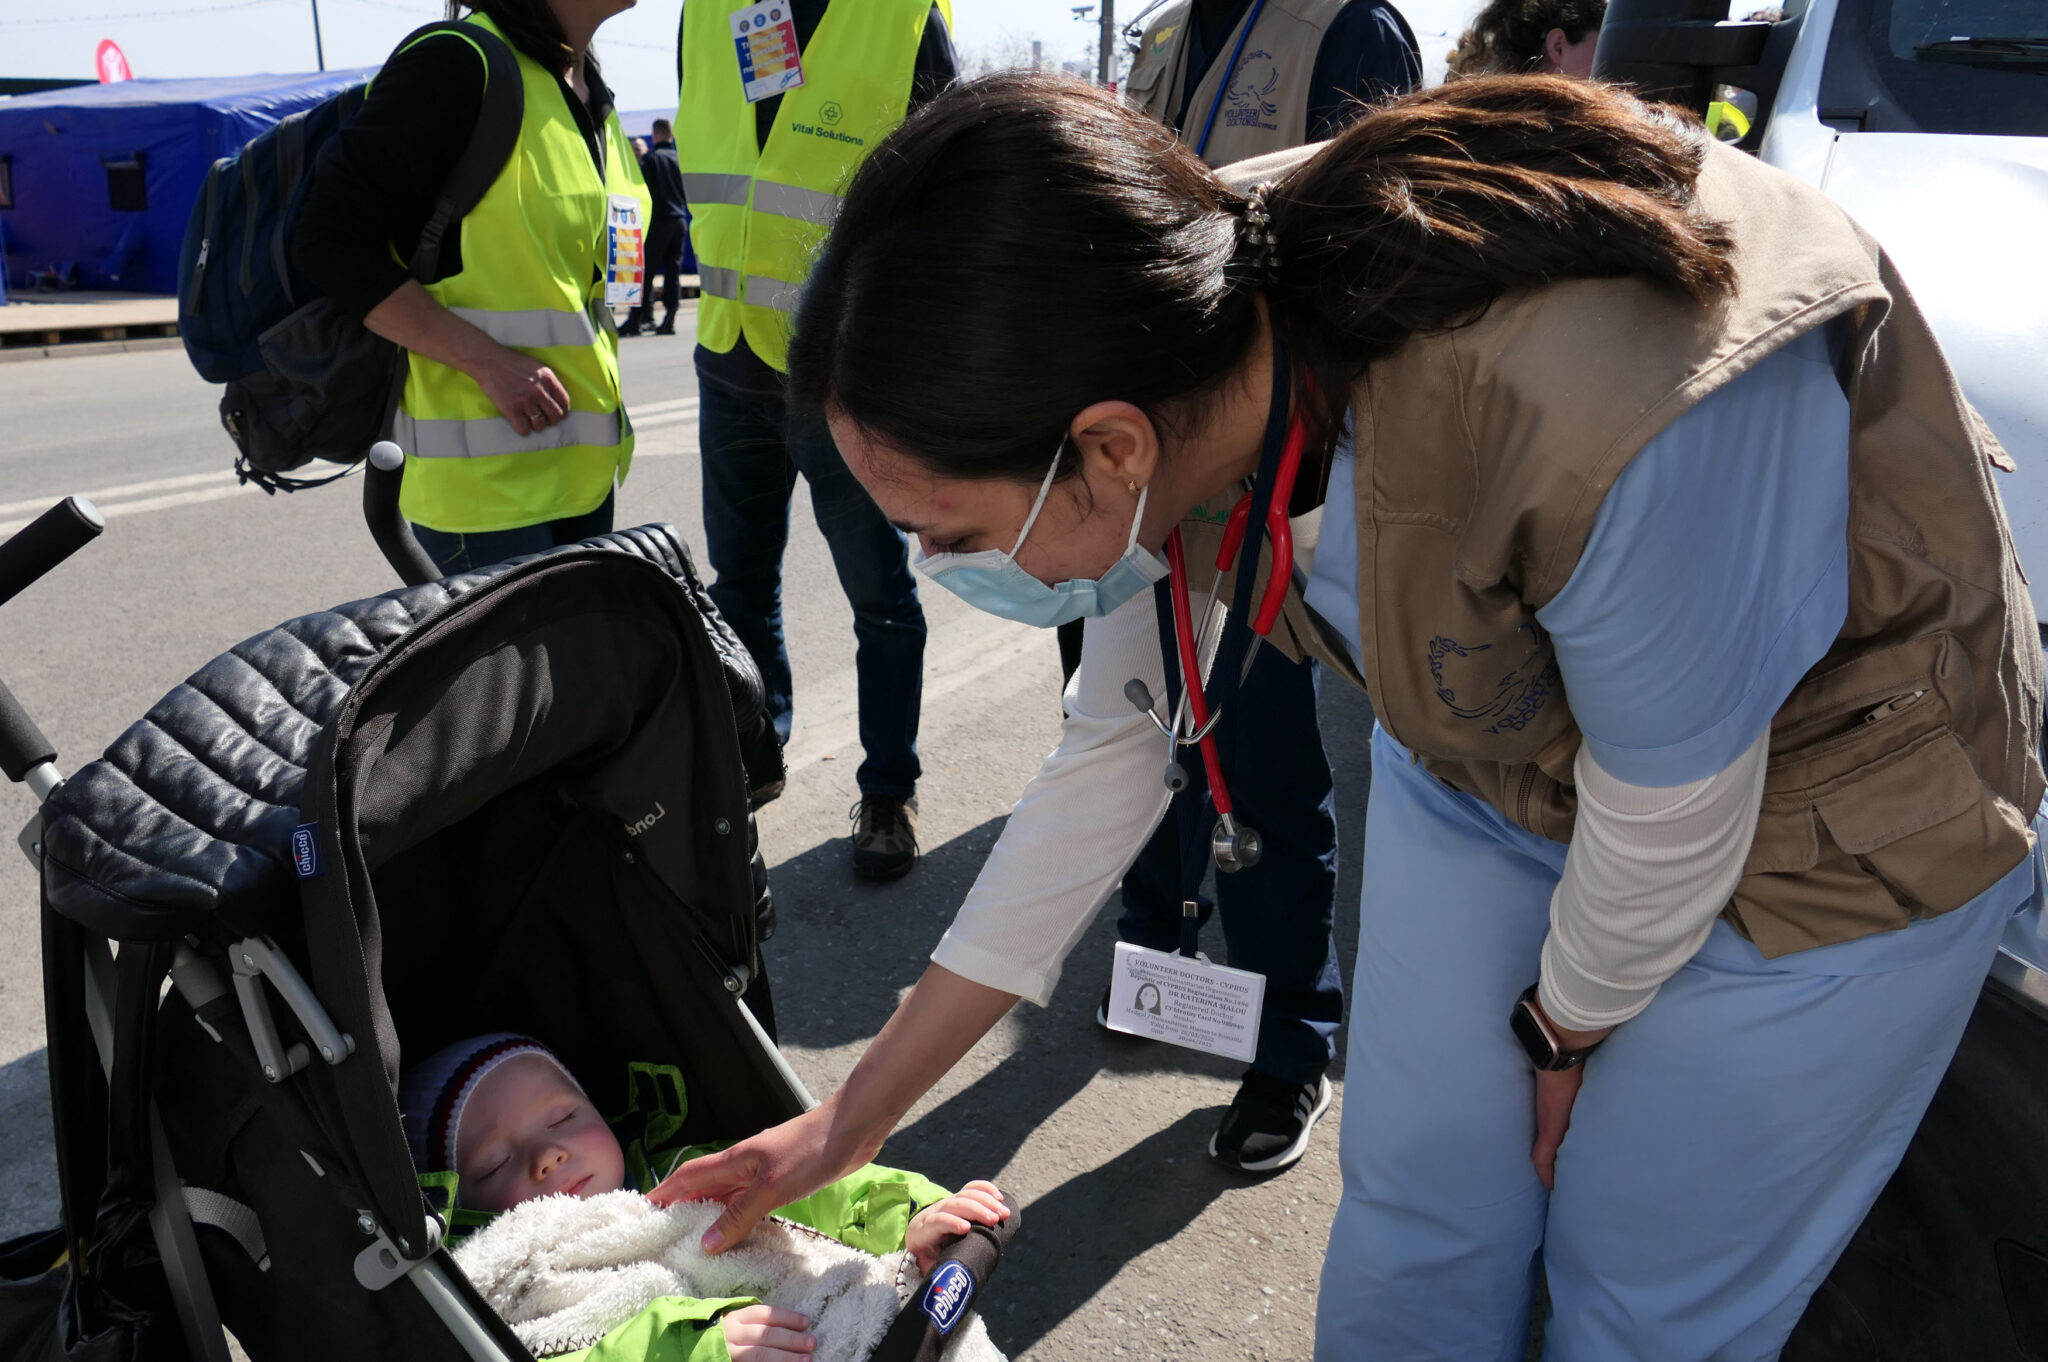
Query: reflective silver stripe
788	201
707	188
776	293
718	281
532	329
494	435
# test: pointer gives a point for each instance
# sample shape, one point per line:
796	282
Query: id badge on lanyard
625	256
765	35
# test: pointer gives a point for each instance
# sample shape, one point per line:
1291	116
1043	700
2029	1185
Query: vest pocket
1923	823
1911	832
1144	78
1874	813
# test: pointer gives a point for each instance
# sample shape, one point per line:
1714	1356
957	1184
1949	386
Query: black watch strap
1539	1041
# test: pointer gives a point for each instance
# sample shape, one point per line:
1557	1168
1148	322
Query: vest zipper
1895	705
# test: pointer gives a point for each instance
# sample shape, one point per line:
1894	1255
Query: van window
1960	66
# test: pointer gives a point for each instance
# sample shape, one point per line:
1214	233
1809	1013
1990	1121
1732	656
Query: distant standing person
511	419
1524	37
665	232
1237	79
765	151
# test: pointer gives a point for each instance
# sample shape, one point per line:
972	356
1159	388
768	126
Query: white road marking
37	505
679	438
187	489
209	487
639	409
986	654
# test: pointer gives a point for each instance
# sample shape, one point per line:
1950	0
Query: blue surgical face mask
991	580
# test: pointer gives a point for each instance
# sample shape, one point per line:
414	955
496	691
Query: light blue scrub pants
1725	1146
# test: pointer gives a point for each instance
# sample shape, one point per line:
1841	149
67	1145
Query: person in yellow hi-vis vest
781	101
511	416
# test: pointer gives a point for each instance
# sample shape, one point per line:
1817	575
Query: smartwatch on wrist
1540	1042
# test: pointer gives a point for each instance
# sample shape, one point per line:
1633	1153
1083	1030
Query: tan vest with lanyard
1261	101
1903	769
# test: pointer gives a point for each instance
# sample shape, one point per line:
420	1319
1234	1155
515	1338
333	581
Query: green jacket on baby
869	1210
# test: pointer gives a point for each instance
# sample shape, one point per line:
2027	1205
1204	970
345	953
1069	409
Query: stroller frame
227	983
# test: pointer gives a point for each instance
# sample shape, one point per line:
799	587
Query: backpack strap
490	143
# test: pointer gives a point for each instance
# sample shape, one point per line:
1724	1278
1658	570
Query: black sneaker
884	837
1269	1122
667	328
632	327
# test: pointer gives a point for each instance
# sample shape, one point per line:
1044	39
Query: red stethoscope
1233	845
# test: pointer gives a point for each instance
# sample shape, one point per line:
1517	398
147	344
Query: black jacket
664	180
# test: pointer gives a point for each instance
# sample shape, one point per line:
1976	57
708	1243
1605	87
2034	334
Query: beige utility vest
1265	96
1903	769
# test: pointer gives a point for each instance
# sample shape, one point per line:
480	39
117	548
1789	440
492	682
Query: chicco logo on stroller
947	1296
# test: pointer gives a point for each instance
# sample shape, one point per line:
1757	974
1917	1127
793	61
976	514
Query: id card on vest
1190	1003
625	252
765	36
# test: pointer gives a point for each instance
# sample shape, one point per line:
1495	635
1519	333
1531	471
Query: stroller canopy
519	803
184	827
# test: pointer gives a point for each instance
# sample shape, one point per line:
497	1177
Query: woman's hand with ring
527	392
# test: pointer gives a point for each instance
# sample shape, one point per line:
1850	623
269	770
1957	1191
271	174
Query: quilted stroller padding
183	827
527	790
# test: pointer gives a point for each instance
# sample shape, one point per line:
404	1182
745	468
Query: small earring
1132	484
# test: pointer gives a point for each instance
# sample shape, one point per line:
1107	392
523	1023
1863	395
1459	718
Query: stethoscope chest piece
1234	845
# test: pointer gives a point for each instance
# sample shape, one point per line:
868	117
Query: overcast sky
239	37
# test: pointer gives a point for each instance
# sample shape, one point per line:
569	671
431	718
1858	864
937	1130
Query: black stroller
514	799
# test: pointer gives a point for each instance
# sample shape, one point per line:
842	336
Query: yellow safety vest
758	215
534	252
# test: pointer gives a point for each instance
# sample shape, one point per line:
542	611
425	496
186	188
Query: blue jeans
1279	915
753	450
455	553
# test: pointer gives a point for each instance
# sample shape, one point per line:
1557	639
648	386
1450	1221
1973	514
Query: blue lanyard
1223	87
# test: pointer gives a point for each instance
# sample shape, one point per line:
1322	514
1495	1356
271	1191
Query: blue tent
100	178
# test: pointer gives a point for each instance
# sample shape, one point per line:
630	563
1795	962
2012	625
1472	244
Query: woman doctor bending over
1659	534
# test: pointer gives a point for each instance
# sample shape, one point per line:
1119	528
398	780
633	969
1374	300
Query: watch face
1535	1041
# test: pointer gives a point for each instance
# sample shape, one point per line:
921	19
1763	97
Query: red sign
111	64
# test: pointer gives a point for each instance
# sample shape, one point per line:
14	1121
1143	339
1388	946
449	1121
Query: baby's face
527	1132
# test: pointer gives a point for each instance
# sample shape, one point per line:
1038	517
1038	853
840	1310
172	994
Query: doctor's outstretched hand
936	1024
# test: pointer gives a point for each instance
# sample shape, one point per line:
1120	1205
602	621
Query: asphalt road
1136	1244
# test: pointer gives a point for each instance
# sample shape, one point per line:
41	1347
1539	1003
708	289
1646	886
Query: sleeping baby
577	1261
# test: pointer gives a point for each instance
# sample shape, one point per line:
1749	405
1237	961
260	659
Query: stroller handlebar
22	745
382	475
46	541
31	552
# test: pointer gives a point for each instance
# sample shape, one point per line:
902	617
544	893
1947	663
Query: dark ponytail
1024	247
530	26
1423	212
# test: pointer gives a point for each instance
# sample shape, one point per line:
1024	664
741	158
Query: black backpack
306	380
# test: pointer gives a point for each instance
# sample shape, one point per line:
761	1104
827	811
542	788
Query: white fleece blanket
564	1272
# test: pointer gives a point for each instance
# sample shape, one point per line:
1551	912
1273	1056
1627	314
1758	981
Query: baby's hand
937	1225
763	1333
